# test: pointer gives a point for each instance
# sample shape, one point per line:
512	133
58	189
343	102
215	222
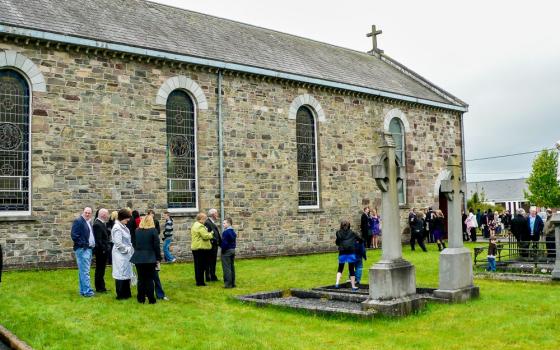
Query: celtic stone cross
453	188
387	173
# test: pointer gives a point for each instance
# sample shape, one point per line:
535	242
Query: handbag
133	279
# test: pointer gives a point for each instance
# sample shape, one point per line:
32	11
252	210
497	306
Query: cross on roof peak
373	34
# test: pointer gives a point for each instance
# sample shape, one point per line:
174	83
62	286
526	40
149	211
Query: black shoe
102	291
201	285
214	279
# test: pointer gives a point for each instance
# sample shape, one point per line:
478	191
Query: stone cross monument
392	277
455	264
556	221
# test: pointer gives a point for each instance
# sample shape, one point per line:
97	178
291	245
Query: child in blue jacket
360	251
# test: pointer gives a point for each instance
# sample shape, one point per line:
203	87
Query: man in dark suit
84	242
536	225
519	226
102	248
364	227
520	230
216	242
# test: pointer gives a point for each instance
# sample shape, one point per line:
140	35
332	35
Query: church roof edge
284	56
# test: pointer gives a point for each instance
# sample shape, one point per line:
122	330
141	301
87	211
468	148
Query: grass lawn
43	308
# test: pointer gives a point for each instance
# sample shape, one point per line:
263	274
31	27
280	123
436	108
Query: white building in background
507	193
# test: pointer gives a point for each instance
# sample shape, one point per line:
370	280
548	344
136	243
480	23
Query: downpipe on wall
221	146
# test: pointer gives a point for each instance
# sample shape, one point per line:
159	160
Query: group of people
205	241
370	227
490	223
532	228
527	231
426	225
125	238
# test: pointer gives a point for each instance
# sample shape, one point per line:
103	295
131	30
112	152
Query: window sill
310	210
16	218
182	213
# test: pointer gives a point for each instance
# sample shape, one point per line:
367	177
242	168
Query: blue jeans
83	258
166	252
160	294
359	264
491	264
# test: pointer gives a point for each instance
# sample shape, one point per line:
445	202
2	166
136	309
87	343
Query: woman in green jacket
200	245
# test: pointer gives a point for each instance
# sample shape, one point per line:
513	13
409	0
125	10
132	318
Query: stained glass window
181	151
396	129
14	142
306	138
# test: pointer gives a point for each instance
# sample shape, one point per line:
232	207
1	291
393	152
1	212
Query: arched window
397	130
306	138
14	143
181	152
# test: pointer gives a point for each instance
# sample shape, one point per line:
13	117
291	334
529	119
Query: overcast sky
501	57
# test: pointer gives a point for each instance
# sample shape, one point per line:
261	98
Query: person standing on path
216	242
417	232
229	239
375	228
102	248
84	242
345	239
122	252
492	252
364	226
201	246
439	229
472	224
146	256
168	237
550	237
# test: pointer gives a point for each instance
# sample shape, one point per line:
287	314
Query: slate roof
154	26
499	190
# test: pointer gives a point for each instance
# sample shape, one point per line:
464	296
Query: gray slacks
228	267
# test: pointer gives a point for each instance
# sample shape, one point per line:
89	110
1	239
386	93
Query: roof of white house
509	190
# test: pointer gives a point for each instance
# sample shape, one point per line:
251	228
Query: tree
478	201
544	190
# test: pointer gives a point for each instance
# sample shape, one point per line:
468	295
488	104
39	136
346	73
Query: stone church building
114	103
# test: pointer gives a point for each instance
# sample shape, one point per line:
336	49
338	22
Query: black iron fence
513	251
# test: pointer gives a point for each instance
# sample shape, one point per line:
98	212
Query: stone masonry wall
98	139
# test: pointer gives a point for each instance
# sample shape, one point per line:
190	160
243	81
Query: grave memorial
392	279
455	264
392	287
556	221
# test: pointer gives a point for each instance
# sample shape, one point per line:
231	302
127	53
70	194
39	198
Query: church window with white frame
15	178
182	184
307	168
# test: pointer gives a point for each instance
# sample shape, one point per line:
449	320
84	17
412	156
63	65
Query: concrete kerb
12	341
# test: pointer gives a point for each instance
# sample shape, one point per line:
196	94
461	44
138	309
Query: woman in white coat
471	223
121	254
